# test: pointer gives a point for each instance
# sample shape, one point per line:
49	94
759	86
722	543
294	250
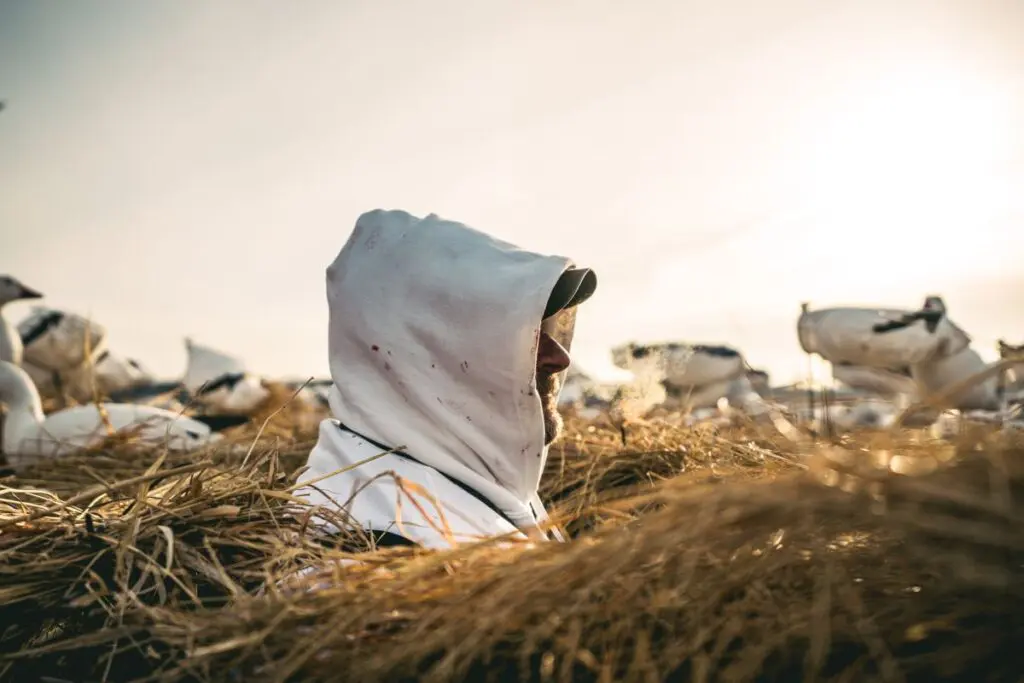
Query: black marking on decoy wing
932	312
641	351
219	423
41	326
228	381
145	391
717	351
890	325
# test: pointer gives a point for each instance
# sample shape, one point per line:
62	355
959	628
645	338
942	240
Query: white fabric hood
433	339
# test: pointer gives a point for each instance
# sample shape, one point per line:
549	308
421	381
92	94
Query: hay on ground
711	554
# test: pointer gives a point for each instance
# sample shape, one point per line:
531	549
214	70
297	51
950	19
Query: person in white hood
447	351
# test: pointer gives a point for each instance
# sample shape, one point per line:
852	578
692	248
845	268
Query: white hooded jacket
433	339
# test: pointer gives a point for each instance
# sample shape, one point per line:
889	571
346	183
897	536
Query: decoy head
12	290
932	312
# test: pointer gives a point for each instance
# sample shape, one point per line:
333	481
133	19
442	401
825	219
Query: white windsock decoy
881	338
11	348
29	436
59	341
220	381
880	381
685	365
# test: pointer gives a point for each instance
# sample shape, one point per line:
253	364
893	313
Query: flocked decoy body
29	436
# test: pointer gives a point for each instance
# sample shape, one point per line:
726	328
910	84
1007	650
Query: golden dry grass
706	554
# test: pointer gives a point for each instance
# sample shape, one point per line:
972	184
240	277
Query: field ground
727	554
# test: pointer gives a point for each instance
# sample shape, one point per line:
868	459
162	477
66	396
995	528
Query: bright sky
186	167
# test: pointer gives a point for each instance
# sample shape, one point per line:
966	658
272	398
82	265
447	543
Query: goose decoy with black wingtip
684	365
11	348
220	383
851	335
29	436
60	341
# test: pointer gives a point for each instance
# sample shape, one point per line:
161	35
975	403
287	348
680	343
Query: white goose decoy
30	436
221	382
685	365
889	339
11	348
696	375
60	341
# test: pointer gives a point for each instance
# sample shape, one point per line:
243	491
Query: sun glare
907	161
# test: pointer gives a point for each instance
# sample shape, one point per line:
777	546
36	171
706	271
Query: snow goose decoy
11	348
60	341
30	436
685	365
220	382
695	375
880	338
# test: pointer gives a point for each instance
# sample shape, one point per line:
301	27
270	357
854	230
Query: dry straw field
704	554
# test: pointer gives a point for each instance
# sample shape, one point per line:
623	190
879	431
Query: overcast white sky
188	167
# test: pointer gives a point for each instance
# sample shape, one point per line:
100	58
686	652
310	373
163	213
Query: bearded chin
547	387
553	424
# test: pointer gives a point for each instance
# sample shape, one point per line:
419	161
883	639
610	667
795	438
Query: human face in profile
552	359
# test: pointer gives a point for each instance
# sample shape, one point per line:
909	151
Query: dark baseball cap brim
574	287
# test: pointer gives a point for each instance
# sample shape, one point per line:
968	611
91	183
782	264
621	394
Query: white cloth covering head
433	339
